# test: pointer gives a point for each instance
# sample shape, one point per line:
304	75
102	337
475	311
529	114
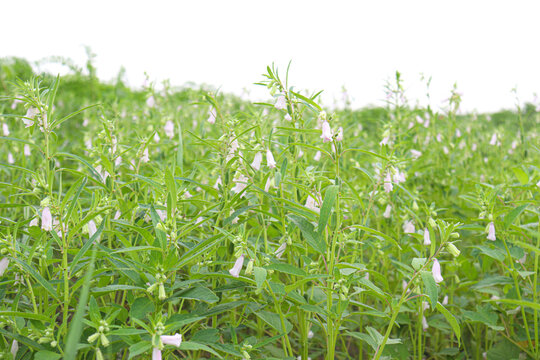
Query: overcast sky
486	47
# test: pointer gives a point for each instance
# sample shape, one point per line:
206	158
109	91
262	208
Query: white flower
256	164
281	249
235	271
5	129
240	181
14	348
156	354
491	232
317	156
439	137
311	204
151	102
436	271
445	150
174	340
399	177
46	219
169	129
415	153
212	115
427	240
3	265
91	228
117	215
388	186
310	334
156	137
162	214
34	222
425	325
445	300
408	227
387	211
538	183
385	141
339	136
281	103
10	158
514	144
326	135
458	133
493	140
270	159
218	182
288	117
473	147
85	122
146	157
26	150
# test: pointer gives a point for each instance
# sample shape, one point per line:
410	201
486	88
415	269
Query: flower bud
93	337
432	222
454	235
249	267
104	340
452	249
162	295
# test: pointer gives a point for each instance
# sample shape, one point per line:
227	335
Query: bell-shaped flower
5	129
425	325
415	154
91	228
257	160
281	249
156	137
388	186
169	129
235	271
408	227
156	354
317	156
3	265
46	219
491	232
270	159
385	141
26	150
311	204
151	102
281	103
241	182
387	211
174	340
10	158
427	239
493	140
326	135
34	222
212	115
288	117
146	157
436	271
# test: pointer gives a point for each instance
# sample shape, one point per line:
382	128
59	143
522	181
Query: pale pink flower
26	150
91	228
117	215
46	219
399	177
3	265
85	122
408	227
156	354
174	340
384	141
491	232
146	157
14	348
387	211
235	271
281	103
34	222
439	137
156	137
212	115
415	153
445	300
218	182
10	158
473	147
241	182
427	239
15	103
436	271
445	150
288	117
317	156
388	186
538	183
270	159
311	204
162	214
169	129
458	133
269	183
425	325
151	102
5	129
326	135
281	249
493	140
256	164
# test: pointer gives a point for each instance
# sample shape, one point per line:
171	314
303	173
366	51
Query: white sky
487	47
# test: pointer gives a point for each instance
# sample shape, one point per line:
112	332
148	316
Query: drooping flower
458	133
425	325
436	271
146	157
174	340
317	156
5	129
269	183
288	117
388	186
408	227
10	158
14	348
169	129
387	211
326	135
385	141
270	159
493	140
34	222
156	354
491	232
281	103
26	150
256	164
91	228
241	182
212	115
46	219
281	249
235	271
3	265
311	204
218	183
445	300
439	137
538	183
473	147
156	137
415	153
151	102
427	239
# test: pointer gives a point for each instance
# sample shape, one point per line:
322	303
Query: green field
186	223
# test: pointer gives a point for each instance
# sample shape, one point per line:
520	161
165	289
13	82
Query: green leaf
260	276
139	348
287	269
494	253
47	355
274	321
86	246
522	303
194	346
484	315
451	320
512	215
376	232
199	293
25	315
521	175
417	263
312	238
37	276
326	209
430	287
141	307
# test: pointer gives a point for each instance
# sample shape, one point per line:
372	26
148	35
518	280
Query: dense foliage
183	223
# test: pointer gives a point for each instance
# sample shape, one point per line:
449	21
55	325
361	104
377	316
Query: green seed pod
452	249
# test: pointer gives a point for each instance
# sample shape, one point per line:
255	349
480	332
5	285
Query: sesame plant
183	223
